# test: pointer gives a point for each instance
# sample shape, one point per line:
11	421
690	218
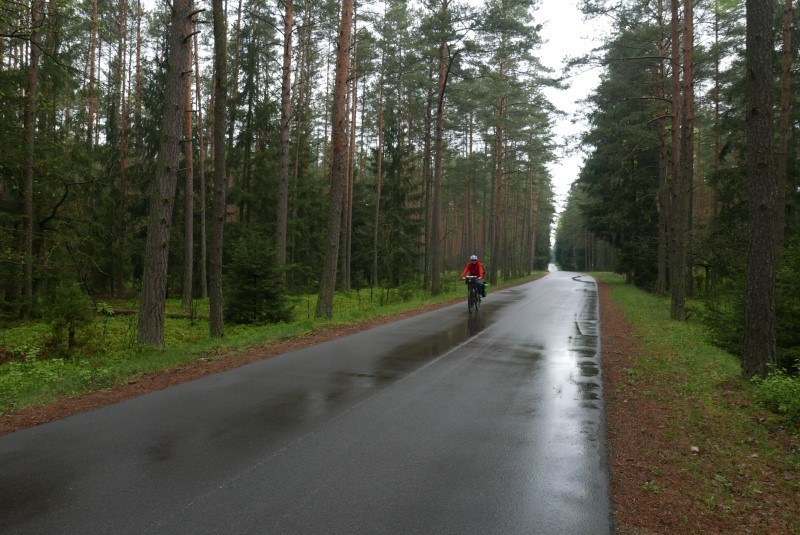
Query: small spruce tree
253	291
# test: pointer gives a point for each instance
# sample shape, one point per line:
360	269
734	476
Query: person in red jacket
475	268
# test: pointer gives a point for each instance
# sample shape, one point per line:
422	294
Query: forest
689	187
185	150
176	149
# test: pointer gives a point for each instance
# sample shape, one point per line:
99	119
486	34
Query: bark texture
286	114
339	137
216	320
162	199
758	354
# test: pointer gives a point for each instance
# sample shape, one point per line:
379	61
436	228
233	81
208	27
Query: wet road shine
445	423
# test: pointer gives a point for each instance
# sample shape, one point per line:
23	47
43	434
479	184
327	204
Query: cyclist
475	268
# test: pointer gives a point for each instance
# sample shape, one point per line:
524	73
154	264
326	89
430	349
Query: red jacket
473	268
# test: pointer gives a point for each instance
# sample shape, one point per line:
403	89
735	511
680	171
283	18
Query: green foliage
724	312
254	292
571	235
620	178
787	308
780	393
104	309
68	310
651	486
724	318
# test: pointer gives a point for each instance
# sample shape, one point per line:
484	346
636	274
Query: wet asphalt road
443	423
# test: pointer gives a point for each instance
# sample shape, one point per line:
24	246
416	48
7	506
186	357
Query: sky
567	35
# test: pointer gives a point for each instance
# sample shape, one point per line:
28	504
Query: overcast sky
567	35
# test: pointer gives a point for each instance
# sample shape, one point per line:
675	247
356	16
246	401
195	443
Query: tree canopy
79	191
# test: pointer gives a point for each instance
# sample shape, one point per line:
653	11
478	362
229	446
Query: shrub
253	291
69	309
725	314
780	393
787	308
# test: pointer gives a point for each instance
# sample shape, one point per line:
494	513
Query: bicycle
473	292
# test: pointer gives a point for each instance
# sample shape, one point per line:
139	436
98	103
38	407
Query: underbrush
781	394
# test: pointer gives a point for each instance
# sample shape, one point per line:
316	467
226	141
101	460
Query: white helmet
473	257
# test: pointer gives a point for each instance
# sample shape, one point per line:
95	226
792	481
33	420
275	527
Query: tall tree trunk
677	252
124	184
217	324
436	212
469	243
351	163
233	91
31	108
162	200
687	139
339	162
534	221
717	158
661	128
246	142
92	62
188	186
122	104
785	130
202	173
286	117
302	96
427	179
499	155
138	83
379	174
758	353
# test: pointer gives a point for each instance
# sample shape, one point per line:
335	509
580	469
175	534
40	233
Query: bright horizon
566	36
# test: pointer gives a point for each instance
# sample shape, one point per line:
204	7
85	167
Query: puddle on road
588	368
584	346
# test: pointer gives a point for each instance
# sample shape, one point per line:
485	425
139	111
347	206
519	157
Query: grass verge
709	456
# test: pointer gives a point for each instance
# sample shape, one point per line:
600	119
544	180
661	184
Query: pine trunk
677	254
378	176
339	162
663	159
188	186
687	143
286	116
435	246
92	62
351	162
436	208
217	324
202	174
162	200
782	159
499	155
31	108
758	355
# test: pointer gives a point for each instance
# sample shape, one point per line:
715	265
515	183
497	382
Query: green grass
36	371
